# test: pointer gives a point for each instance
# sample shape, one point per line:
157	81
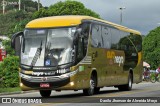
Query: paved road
71	98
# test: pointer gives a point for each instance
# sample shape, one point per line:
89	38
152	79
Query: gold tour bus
77	53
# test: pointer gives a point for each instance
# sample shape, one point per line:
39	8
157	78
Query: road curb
17	92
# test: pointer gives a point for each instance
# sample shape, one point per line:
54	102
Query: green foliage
26	5
9	21
65	8
8	48
7	90
9	72
21	25
151	48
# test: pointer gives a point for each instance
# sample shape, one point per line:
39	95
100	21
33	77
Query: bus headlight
62	71
69	74
24	76
71	83
21	84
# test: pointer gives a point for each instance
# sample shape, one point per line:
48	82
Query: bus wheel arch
92	86
96	89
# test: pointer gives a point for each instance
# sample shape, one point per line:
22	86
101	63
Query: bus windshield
47	47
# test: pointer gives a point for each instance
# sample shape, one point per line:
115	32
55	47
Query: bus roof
70	20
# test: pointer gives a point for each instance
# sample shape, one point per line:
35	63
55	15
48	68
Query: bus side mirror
16	42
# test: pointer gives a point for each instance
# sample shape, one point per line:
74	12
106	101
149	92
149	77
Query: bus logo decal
110	54
44	78
119	60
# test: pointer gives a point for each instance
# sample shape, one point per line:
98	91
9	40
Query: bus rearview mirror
16	42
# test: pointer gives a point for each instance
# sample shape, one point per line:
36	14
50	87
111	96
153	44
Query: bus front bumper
45	82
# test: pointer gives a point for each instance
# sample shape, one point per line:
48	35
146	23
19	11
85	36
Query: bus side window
123	40
85	29
83	41
136	39
115	33
96	36
85	33
106	36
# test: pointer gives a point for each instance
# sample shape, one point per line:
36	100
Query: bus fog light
71	83
21	84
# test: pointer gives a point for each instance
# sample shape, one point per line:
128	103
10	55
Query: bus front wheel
45	93
90	91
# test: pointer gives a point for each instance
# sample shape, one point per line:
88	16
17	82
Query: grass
8	90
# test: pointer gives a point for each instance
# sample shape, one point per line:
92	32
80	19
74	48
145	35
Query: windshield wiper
40	48
37	54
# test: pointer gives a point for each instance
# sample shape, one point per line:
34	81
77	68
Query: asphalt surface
110	96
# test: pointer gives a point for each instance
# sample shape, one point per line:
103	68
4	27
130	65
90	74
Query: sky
141	15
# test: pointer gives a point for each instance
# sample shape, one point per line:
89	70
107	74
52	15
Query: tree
9	72
26	5
9	20
65	8
10	23
151	48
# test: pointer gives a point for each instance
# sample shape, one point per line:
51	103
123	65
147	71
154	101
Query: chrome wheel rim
130	83
92	85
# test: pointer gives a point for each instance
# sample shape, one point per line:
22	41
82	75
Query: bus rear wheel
127	87
90	91
45	93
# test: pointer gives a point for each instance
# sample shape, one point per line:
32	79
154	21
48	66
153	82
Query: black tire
45	93
96	90
127	87
90	91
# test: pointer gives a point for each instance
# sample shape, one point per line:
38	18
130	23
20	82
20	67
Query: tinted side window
82	41
106	37
115	33
123	40
137	41
131	55
96	36
85	33
85	29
